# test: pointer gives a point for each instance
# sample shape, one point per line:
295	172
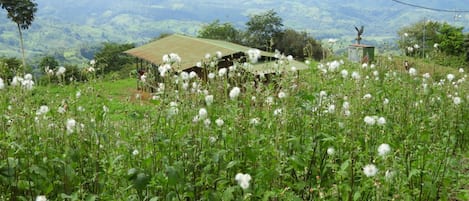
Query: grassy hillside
335	131
63	27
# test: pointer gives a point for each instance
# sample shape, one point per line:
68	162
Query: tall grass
299	137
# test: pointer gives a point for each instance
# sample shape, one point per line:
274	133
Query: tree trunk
22	48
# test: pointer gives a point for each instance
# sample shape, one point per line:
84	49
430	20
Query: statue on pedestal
359	33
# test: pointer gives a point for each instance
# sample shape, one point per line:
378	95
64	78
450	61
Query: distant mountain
64	27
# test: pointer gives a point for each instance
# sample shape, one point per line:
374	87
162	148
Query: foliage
298	44
450	39
22	13
446	38
49	62
306	136
218	31
466	47
262	29
111	57
9	67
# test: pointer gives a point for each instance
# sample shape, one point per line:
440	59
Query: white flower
243	180
192	74
211	75
203	113
406	34
355	75
457	100
384	149
254	121
412	71
322	94
461	70
105	109
364	65
426	75
367	96
330	151
27	84
135	152
219	122
28	77
381	121
346	105
222	72
209	99
234	93
331	108
219	54
370	170
389	174
61	110
416	46
277	112
41	198
344	73
370	120
282	95
16	81
436	45
253	55
2	85
71	123
78	94
207	122
333	66
92	62
385	101
450	77
410	49
42	110
60	71
184	75
269	100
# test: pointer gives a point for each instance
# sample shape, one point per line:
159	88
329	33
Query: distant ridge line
433	9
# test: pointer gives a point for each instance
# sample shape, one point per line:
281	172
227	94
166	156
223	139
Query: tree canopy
22	13
421	37
220	31
263	28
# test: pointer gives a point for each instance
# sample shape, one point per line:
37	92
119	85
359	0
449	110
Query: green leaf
228	194
173	175
356	195
231	164
91	197
141	181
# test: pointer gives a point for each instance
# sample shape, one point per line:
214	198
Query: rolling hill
64	27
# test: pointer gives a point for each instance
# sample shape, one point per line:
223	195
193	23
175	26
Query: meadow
337	131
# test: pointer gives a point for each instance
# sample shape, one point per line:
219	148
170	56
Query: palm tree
22	13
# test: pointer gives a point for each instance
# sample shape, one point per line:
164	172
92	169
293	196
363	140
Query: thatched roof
191	50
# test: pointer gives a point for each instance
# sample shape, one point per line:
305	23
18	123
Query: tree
466	47
419	38
451	39
216	30
48	61
110	57
262	29
22	13
291	42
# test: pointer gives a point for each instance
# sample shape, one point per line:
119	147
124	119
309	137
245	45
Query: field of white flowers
339	131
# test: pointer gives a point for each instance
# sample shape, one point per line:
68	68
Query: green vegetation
440	41
335	131
22	13
265	31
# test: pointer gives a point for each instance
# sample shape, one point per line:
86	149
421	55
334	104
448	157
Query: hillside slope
63	27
